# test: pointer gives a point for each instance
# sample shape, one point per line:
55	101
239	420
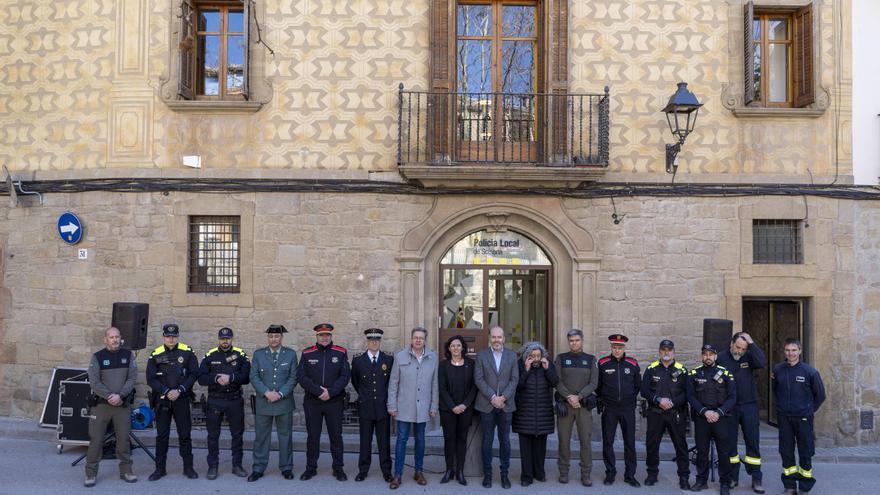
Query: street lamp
681	114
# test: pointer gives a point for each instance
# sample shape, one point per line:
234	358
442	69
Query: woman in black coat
457	395
534	417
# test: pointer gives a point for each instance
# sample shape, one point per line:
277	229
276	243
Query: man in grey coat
413	398
273	376
496	374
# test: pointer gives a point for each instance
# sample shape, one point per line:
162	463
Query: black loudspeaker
73	412
131	319
717	332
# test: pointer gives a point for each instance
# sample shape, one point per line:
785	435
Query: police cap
709	348
170	330
225	333
276	329
323	328
668	344
618	339
373	333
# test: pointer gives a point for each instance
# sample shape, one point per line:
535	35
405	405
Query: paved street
34	467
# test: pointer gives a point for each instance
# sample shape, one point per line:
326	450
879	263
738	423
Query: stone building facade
335	226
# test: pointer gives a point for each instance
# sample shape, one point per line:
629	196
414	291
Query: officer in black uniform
171	372
741	360
323	373
799	393
224	370
369	377
619	383
711	392
664	387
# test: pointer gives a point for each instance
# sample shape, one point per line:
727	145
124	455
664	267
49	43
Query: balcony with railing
491	139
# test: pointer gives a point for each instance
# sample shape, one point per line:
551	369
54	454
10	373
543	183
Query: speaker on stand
132	321
717	332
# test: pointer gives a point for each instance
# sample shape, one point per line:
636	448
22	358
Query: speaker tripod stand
109	447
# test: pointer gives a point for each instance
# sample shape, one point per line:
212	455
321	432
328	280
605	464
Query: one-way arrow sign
69	228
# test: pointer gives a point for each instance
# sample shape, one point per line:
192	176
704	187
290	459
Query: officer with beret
273	376
171	372
224	370
619	383
664	386
323	373
369	377
711	392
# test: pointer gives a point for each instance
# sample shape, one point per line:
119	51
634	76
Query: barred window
214	254
777	242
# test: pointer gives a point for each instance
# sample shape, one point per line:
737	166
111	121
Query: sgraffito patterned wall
84	82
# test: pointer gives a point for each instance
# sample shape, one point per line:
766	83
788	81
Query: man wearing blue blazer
273	376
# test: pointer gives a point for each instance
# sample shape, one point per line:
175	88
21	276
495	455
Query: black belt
227	396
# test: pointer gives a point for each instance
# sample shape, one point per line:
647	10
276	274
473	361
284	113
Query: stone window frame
180	99
216	252
213	205
791	258
777	209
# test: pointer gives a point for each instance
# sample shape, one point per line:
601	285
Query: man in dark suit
369	377
496	374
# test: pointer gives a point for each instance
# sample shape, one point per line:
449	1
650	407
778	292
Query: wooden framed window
214	254
214	50
778	56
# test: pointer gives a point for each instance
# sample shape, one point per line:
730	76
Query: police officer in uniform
171	372
664	386
619	383
323	373
743	357
273	376
711	392
578	379
799	392
224	370
369	377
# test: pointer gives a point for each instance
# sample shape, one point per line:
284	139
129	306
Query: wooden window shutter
247	48
748	53
187	48
803	57
558	56
439	101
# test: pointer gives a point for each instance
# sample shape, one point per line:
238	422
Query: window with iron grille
214	254
777	242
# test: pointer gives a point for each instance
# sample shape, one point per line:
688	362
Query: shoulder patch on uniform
239	350
183	347
339	348
158	350
604	360
722	368
654	364
212	351
679	366
632	361
357	355
694	371
310	349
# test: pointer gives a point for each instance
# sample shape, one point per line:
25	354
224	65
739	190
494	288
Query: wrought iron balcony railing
549	129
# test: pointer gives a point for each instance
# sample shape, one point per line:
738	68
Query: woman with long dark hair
457	394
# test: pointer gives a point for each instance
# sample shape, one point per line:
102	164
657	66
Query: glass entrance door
495	279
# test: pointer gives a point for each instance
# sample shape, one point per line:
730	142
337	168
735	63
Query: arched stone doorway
570	250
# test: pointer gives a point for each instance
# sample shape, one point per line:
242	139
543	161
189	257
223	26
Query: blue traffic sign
69	228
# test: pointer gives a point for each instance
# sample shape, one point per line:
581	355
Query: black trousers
180	411
704	432
382	429
746	416
233	409
797	431
533	452
318	412
675	424
455	432
625	416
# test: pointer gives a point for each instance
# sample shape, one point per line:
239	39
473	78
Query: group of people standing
529	394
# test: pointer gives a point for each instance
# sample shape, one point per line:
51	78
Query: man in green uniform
578	377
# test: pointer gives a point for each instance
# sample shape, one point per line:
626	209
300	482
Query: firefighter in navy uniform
743	357
799	393
224	370
324	373
171	372
369	377
619	383
664	386
711	392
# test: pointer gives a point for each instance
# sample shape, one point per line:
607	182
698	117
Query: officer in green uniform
171	372
273	376
578	378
